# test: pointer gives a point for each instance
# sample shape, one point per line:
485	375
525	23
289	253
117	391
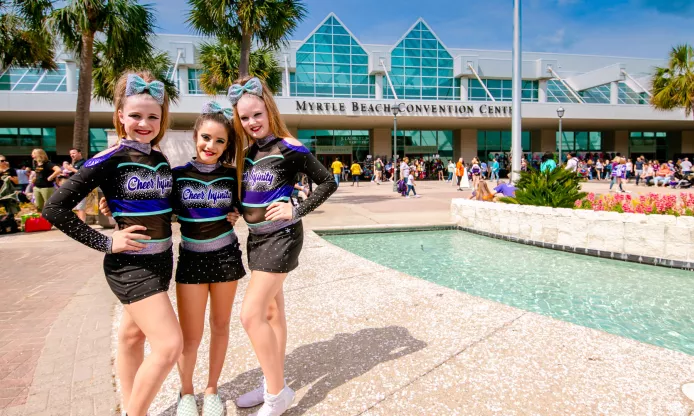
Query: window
501	90
493	142
558	93
194	81
629	96
327	60
580	141
421	65
28	79
424	143
596	95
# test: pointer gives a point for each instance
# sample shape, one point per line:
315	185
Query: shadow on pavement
326	365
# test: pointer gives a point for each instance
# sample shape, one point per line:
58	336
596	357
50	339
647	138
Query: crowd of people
619	170
37	182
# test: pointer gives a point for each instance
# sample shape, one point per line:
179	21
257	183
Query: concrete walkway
363	339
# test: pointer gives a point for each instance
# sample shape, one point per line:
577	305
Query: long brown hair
119	101
230	152
41	156
277	126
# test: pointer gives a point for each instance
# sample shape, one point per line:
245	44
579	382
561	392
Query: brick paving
55	325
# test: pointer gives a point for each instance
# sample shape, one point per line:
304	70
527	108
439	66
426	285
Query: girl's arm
320	176
58	209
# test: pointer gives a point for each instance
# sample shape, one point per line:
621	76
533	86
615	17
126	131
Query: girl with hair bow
272	161
136	180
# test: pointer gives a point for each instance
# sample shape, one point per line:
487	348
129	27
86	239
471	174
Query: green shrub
558	188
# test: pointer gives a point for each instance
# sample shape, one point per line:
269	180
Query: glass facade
629	96
501	90
596	95
421	68
651	144
580	141
424	143
20	141
329	143
28	79
558	93
493	142
331	63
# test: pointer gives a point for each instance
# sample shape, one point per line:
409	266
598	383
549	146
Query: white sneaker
186	406
253	397
275	405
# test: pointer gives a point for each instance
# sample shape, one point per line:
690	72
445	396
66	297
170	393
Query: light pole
560	114
516	142
396	110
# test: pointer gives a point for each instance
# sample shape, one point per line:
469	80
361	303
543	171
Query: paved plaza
363	339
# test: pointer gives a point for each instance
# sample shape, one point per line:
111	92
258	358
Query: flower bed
677	205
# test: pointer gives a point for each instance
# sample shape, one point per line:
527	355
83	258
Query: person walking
356	171
337	170
451	171
378	170
411	185
495	170
459	170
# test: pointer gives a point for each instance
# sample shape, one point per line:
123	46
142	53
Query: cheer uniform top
270	167
203	195
136	181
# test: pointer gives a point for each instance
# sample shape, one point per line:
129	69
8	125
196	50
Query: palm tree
124	26
220	62
110	64
268	22
673	85
24	39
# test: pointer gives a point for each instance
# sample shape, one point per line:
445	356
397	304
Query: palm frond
558	188
673	86
220	62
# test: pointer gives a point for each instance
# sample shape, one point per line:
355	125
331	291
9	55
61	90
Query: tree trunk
80	138
244	63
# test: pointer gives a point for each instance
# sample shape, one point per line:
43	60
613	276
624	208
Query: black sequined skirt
276	252
219	266
133	277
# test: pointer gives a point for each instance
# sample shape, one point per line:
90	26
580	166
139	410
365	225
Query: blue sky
635	28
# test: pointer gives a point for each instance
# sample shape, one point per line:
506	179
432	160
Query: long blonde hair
277	126
119	101
41	156
483	191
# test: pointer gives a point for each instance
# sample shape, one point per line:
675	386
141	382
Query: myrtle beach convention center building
339	97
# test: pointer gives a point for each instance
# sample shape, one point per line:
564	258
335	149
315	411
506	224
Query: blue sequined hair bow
136	85
213	107
252	86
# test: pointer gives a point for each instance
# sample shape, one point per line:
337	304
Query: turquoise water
647	303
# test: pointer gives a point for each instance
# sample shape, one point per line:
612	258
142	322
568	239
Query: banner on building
333	150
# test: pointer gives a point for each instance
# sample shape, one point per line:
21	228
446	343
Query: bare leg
131	352
156	318
191	302
261	291
221	300
278	322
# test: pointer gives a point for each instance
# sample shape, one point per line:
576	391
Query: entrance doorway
328	159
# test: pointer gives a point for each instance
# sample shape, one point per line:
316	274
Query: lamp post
560	114
396	110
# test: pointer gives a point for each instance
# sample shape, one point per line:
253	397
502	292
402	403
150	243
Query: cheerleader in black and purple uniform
275	231
137	182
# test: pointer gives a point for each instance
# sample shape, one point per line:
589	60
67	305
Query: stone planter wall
654	239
